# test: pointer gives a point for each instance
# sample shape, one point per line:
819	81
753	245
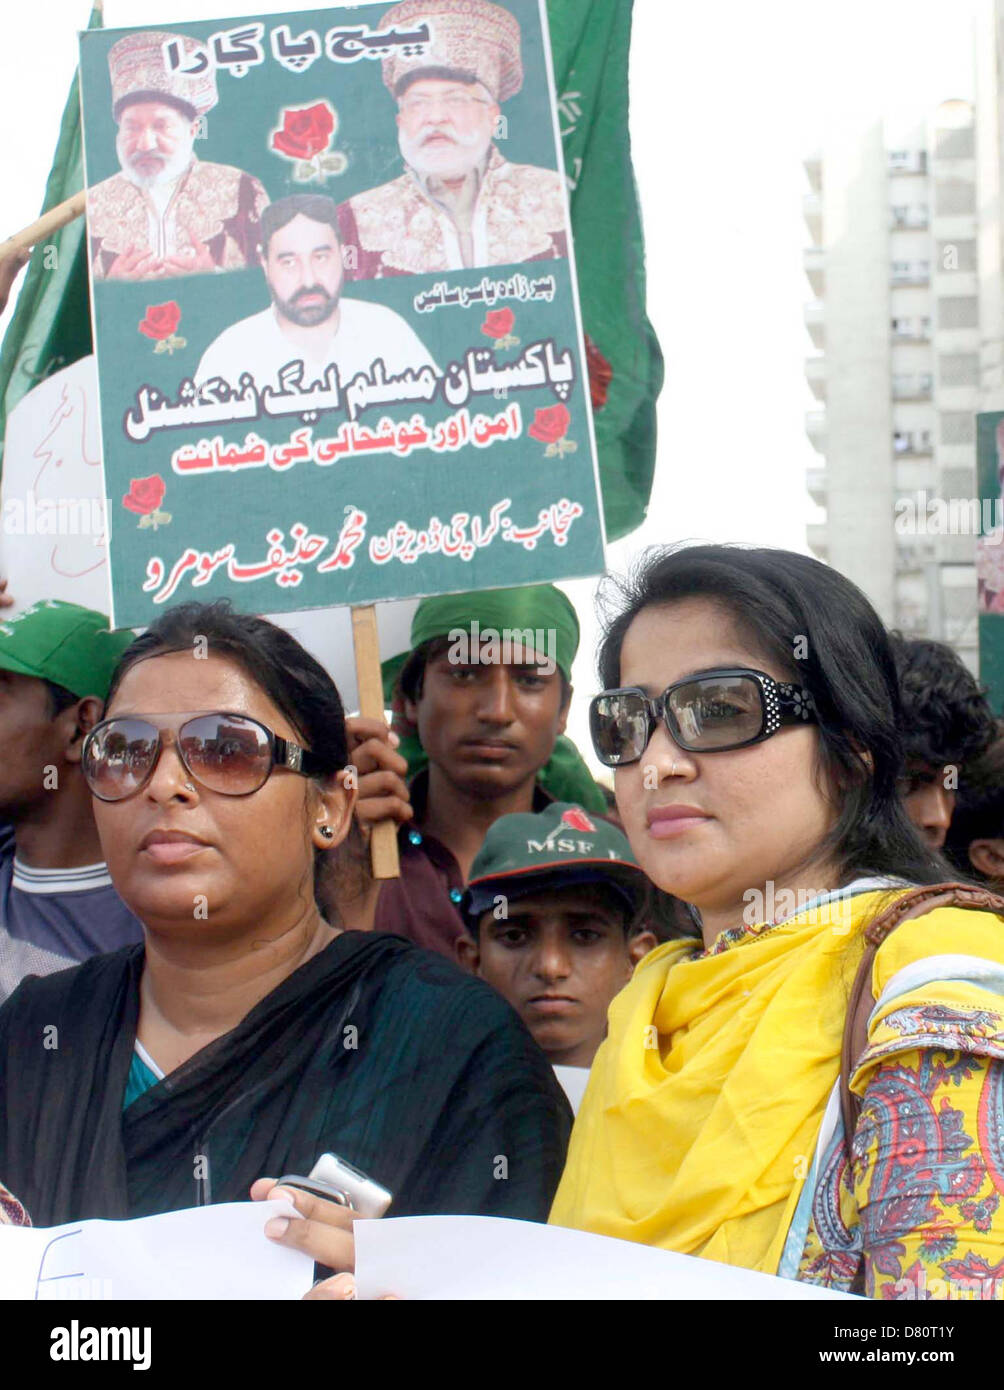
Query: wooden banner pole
383	838
48	223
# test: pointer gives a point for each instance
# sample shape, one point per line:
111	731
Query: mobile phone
337	1181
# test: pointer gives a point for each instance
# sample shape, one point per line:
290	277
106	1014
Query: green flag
51	324
989	549
590	43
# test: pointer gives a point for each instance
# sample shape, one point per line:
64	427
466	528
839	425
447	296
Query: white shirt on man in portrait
308	319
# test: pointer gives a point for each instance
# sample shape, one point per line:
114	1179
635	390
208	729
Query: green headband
540	609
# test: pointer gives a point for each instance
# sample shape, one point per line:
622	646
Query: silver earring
327	832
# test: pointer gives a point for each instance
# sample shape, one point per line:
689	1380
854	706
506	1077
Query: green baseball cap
63	643
559	847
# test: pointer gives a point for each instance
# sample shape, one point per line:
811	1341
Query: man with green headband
480	704
57	903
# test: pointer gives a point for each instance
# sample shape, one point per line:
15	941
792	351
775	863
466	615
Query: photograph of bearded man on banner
460	202
167	212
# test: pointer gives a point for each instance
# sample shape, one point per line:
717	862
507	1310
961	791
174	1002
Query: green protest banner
389	397
990	553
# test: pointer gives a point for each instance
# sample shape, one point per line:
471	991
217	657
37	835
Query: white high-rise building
896	320
990	149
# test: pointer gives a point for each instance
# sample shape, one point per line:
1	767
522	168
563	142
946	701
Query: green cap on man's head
63	643
561	846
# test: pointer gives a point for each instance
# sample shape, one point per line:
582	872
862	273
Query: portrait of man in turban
459	202
168	212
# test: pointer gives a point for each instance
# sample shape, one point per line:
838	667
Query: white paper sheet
573	1081
482	1257
52	541
210	1252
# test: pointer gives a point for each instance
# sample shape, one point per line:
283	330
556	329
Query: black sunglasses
710	713
228	753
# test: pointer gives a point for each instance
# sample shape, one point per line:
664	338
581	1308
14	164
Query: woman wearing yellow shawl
751	712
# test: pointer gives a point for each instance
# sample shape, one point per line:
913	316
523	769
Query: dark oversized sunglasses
711	713
228	753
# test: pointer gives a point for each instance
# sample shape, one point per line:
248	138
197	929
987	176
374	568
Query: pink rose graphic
144	498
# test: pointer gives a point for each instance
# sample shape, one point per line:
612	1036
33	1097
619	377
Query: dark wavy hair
946	716
294	681
824	634
318	207
979	806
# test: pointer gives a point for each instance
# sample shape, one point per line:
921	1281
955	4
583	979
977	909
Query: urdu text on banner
336	324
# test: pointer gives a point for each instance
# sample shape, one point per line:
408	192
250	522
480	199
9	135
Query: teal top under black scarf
391	1057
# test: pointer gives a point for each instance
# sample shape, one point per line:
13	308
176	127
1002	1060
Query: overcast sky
727	98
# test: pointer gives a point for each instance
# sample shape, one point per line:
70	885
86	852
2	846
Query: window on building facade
957	254
957	427
954	197
958	369
907	161
958	311
955	143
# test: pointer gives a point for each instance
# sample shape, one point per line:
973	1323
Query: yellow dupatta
704	1104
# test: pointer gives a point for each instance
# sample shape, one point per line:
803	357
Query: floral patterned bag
861	1002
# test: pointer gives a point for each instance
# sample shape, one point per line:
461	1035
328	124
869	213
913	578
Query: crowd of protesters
187	908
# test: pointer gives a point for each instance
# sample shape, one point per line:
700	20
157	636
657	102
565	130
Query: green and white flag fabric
590	49
51	325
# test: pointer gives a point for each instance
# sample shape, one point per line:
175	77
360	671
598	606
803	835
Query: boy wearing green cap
553	913
481	701
57	903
